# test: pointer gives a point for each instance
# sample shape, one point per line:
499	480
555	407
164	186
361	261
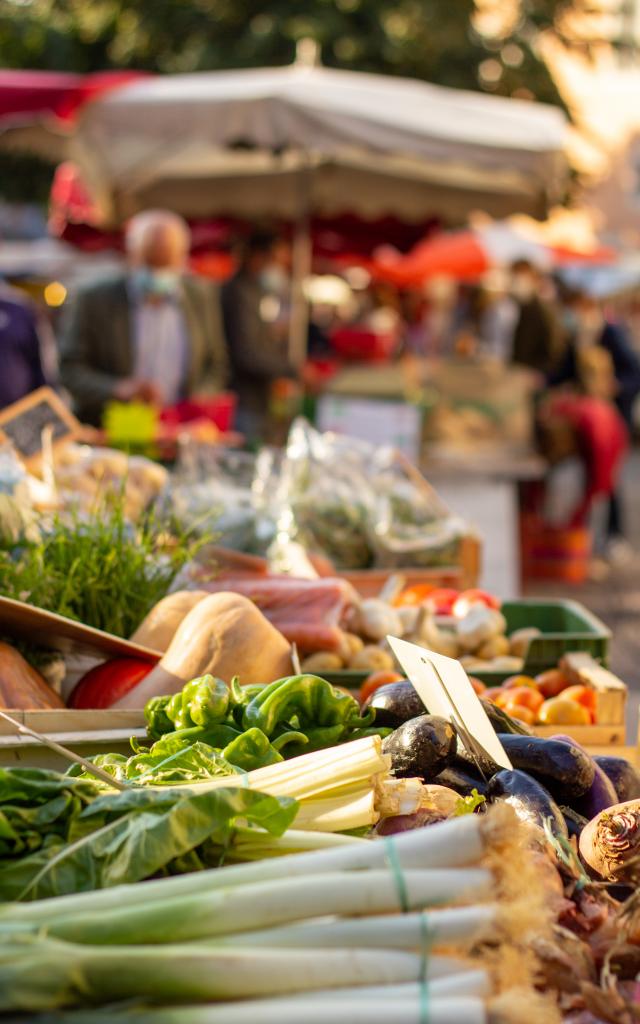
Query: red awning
33	95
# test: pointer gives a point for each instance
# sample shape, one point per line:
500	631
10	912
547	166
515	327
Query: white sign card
377	421
445	689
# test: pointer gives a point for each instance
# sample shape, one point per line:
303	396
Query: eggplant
562	768
421	747
623	776
531	801
461	781
575	822
502	722
395	703
600	795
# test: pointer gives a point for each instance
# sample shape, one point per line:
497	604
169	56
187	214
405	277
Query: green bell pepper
251	750
310	701
203	701
156	717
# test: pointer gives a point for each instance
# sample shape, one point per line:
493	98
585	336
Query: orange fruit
526	697
520	680
583	695
558	711
522	713
478	686
492	693
552	683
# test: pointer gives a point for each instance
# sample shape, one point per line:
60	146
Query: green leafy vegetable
469	804
135	834
98	569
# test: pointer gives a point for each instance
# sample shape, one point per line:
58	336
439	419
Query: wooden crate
611	703
369	582
85	732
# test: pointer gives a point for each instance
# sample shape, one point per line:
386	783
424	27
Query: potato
371	659
352	644
322	661
494	648
520	639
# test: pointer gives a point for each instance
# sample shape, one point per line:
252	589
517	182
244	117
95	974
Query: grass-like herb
98	569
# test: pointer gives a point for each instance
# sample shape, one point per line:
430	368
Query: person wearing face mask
255	311
537	336
152	334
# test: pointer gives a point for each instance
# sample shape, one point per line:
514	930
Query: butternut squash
225	635
158	629
21	687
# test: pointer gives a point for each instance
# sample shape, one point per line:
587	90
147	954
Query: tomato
521	712
517	681
377	679
442	600
583	695
526	697
106	684
474	596
552	683
558	711
410	597
478	686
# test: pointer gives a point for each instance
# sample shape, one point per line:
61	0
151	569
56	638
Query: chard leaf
139	833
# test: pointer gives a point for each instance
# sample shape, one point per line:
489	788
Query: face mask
523	288
273	280
156	282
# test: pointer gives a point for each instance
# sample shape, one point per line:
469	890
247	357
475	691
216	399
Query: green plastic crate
566	626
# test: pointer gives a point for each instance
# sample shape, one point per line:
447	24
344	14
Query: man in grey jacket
152	333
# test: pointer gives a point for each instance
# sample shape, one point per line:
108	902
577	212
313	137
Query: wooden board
23	621
587	735
26	423
611	692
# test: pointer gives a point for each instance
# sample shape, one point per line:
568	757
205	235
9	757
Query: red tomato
415	595
442	600
525	697
552	683
474	596
478	686
106	684
583	695
377	679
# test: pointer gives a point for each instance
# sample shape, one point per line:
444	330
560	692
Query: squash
224	635
21	687
158	629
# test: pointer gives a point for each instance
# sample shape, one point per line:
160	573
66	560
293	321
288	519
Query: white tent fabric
278	141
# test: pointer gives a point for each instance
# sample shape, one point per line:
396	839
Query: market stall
241	787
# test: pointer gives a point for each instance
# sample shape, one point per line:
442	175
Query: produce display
269	846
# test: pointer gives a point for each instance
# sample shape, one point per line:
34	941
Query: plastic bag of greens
210	494
323	499
412	527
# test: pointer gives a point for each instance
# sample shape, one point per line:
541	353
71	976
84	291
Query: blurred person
600	361
498	316
435	318
153	333
537	335
256	323
21	354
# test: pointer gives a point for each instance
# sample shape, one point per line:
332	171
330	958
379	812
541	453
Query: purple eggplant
601	793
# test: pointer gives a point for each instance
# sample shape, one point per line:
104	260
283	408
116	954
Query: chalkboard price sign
26	423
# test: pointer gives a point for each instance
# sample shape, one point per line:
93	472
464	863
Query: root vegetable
322	661
520	639
479	625
224	635
158	629
375	619
610	843
497	647
370	659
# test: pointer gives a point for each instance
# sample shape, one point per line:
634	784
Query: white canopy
280	141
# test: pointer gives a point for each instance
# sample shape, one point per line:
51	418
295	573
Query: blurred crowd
155	333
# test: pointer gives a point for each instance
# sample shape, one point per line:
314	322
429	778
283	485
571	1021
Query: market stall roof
276	140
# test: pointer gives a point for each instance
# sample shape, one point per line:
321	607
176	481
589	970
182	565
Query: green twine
393	861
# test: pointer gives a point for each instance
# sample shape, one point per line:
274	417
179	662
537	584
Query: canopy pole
301	254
